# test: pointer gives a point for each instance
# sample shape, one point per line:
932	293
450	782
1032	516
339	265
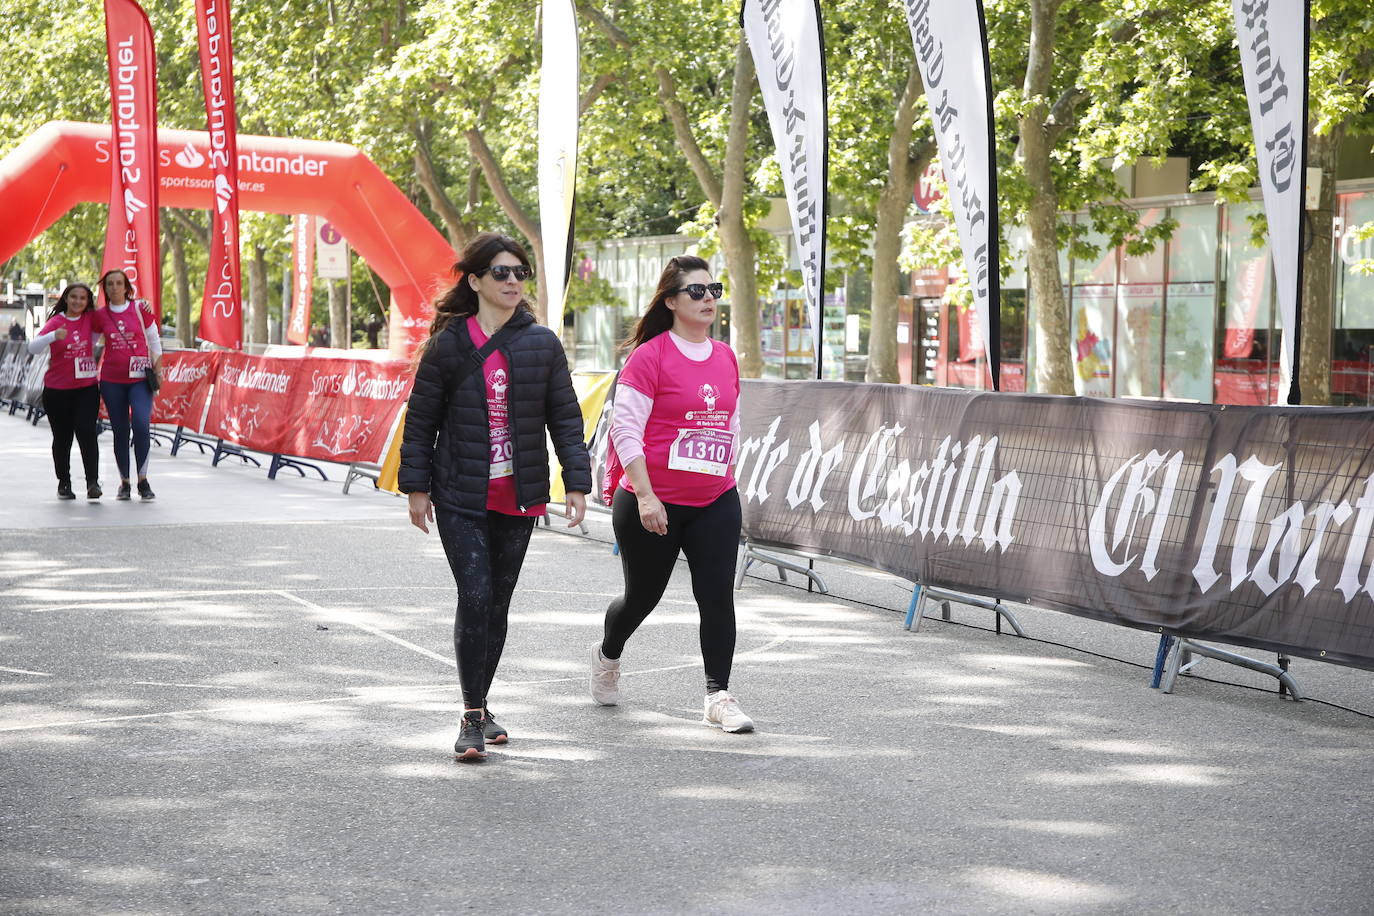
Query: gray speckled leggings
485	555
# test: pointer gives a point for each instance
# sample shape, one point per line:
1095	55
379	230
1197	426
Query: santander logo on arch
189	158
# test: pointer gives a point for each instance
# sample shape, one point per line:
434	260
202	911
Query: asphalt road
241	698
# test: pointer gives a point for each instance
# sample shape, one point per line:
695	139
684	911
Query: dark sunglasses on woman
698	291
500	272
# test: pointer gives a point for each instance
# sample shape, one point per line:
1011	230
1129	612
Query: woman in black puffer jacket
474	458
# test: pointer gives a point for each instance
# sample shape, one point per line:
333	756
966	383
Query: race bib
84	367
138	366
502	455
702	451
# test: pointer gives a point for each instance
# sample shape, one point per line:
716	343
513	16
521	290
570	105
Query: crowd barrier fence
1250	526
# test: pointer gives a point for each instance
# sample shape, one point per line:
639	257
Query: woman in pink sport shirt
674	430
132	345
71	393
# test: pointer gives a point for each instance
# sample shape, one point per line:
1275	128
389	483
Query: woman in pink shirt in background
132	345
71	396
674	430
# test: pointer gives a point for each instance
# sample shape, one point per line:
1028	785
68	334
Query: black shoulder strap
478	356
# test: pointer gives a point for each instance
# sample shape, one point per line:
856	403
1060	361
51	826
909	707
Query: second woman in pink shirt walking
674	431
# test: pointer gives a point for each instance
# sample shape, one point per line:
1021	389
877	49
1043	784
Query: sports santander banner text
558	112
785	40
222	308
131	235
327	409
1246	525
951	51
186	379
1272	35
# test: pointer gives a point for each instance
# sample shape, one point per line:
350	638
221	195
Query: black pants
485	555
709	536
73	412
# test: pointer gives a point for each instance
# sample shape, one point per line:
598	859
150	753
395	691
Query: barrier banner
222	309
21	373
13	359
1272	36
343	409
558	113
131	234
1244	525
952	52
251	404
302	278
186	379
787	44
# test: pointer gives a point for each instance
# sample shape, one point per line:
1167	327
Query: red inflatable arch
64	163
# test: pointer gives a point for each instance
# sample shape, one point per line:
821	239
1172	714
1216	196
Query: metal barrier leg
1003	613
1166	642
1181	663
752	554
911	608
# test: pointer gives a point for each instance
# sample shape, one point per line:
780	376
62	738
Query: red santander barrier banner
253	401
334	409
344	408
186	379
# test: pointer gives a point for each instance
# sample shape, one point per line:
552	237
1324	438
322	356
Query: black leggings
709	536
485	555
73	412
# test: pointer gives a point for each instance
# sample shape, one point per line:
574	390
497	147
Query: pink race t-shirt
688	445
71	361
126	346
501	496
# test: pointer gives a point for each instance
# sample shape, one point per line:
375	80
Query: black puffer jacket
445	447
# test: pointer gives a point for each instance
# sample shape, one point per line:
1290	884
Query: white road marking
353	621
196	686
26	671
781	636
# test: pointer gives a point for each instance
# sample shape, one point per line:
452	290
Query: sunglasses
698	291
501	272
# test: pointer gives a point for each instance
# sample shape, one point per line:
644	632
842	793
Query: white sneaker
605	678
722	711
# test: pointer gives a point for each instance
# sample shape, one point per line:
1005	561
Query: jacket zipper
514	432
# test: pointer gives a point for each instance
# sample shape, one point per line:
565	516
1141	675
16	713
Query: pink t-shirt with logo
126	356
71	361
501	495
688	445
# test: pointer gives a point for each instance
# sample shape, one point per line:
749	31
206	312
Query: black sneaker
145	492
124	490
491	731
64	490
93	491
470	744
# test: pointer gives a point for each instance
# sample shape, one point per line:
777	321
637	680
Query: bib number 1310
702	451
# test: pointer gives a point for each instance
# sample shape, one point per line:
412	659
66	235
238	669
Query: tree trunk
735	242
459	233
1053	368
902	171
340	330
257	296
182	285
526	224
1314	357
